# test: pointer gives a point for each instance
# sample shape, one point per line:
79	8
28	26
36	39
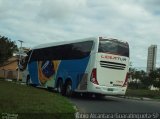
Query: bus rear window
113	47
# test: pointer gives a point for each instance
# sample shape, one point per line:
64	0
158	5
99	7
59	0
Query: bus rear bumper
108	90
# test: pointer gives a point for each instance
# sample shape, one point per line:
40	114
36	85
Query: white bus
93	65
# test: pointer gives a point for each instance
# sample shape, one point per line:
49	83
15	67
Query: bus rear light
93	78
126	80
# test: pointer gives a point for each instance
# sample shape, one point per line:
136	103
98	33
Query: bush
134	85
143	93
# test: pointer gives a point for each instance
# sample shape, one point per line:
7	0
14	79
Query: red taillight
126	80
93	78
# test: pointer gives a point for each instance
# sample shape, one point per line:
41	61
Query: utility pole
20	52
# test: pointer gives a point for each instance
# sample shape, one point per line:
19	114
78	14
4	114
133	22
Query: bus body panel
111	69
72	69
33	72
65	69
111	74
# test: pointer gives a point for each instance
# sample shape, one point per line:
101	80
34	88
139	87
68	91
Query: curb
140	98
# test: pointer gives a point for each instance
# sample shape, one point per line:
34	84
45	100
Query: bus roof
63	42
45	45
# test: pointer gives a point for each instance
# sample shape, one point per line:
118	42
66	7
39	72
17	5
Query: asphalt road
111	104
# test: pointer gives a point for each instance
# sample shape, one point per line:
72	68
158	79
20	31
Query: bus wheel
69	89
60	87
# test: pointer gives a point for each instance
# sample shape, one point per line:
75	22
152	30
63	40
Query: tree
140	79
7	47
145	81
155	76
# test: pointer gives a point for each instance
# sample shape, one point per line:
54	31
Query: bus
95	65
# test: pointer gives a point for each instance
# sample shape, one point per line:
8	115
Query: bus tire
60	87
68	89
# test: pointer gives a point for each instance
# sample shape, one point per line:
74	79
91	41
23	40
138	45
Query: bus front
112	65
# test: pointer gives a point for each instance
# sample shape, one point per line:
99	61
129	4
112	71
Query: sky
44	21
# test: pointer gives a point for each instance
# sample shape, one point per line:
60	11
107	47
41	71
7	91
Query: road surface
114	105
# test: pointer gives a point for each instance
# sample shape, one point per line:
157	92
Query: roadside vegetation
141	83
32	103
7	48
142	80
141	93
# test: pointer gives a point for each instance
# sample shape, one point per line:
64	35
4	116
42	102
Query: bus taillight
126	80
93	78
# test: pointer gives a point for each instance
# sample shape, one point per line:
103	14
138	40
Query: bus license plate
110	89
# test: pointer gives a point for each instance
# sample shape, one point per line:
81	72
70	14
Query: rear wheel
69	89
60	87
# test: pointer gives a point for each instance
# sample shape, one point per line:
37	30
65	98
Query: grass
143	93
33	103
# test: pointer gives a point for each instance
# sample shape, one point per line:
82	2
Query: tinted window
63	52
114	47
24	61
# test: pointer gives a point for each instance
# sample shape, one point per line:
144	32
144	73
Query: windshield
113	47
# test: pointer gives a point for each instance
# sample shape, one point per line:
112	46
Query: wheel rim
59	87
68	91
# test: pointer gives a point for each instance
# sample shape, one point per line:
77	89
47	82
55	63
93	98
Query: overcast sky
43	21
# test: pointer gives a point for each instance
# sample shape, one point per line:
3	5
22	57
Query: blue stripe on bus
33	71
72	69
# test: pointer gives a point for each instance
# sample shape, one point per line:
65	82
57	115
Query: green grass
143	93
33	102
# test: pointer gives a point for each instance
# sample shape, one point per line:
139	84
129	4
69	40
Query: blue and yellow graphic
47	70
